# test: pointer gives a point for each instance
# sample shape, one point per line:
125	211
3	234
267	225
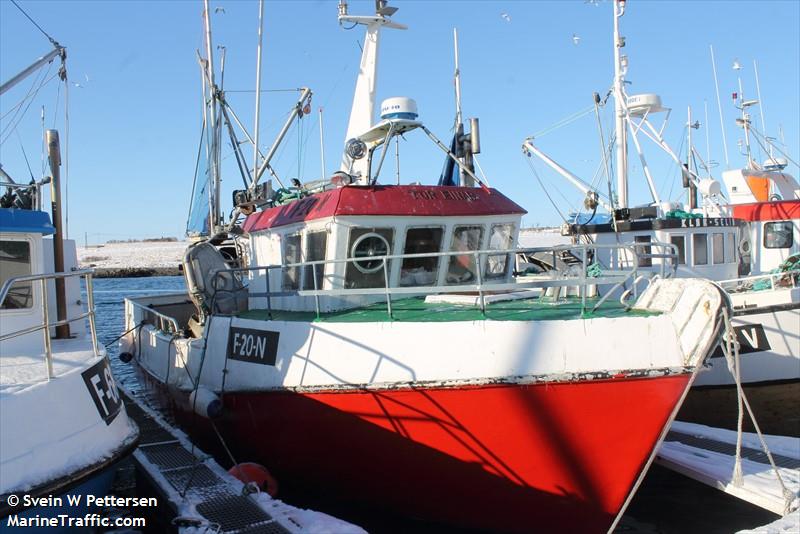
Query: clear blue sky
135	116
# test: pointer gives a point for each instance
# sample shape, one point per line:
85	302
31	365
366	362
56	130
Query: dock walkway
707	454
203	496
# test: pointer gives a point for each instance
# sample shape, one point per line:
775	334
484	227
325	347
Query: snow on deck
706	454
18	371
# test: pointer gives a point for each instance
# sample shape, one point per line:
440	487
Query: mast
258	83
719	107
214	200
363	108
457	79
620	64
761	106
691	189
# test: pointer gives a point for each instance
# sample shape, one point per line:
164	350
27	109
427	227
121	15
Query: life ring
247	472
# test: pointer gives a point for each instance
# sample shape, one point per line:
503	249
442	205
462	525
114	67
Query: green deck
417	310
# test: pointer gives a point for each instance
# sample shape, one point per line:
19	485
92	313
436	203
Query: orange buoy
248	472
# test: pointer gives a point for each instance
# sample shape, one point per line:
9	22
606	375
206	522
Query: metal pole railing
480	282
386	286
90	304
48	348
316	296
46	324
558	278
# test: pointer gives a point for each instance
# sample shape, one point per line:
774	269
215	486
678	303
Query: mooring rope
731	351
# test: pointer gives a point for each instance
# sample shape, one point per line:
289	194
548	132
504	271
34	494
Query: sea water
109	303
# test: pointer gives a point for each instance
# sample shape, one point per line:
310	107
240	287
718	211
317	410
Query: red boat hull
506	457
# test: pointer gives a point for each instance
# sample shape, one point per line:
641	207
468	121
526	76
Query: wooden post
54	156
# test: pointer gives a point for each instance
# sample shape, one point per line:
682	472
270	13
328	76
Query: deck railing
45	325
162	322
584	272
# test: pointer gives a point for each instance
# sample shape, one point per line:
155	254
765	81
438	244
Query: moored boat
740	241
63	427
376	339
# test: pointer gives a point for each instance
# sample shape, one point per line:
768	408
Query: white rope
731	350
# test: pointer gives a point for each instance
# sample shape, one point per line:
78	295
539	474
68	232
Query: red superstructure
387	200
781	210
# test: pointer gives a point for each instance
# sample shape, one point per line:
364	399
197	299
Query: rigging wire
675	169
758	135
22	101
541	184
52	41
565	121
24	155
66	152
17	118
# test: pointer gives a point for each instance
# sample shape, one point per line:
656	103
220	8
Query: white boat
740	241
63	426
375	339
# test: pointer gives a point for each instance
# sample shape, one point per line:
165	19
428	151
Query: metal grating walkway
187	475
729	449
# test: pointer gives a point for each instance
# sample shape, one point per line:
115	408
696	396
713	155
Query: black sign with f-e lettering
103	390
254	346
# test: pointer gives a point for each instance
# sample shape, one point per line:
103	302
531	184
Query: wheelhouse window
421	271
700	249
316	246
15	260
730	248
461	268
499	239
778	234
718	248
367	245
291	254
643	247
680	243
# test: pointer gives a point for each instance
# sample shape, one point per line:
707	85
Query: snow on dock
203	496
707	454
789	524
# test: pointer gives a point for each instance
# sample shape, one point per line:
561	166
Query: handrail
573	276
164	318
46	324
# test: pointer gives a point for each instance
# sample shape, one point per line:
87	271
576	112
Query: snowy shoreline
135	259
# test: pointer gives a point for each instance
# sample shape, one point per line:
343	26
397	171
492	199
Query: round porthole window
366	246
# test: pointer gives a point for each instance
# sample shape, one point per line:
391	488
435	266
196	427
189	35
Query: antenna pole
321	144
619	107
457	79
761	106
258	83
719	106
